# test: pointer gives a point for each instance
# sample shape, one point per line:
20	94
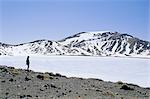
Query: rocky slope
23	84
101	43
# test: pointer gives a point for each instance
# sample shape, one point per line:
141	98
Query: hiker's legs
28	68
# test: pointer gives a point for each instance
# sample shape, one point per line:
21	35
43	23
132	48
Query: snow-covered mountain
38	47
100	43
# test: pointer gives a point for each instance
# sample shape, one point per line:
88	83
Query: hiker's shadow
27	77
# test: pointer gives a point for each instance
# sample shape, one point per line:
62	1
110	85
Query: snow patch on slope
99	43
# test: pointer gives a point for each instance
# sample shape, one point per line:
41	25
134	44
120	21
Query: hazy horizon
23	21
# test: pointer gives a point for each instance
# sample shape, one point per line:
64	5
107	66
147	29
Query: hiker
27	63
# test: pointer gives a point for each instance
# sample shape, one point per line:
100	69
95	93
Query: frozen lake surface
130	70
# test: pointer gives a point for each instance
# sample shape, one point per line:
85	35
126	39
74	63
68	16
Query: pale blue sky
27	20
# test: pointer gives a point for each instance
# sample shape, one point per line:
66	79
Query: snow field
129	70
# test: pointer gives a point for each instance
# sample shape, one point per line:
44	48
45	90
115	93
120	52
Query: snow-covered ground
130	70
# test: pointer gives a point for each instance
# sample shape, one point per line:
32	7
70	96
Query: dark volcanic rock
125	87
35	85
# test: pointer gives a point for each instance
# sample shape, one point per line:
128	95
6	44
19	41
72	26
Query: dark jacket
27	61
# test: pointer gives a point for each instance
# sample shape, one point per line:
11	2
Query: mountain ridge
100	43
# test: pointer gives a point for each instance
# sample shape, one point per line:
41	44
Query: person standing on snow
28	63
